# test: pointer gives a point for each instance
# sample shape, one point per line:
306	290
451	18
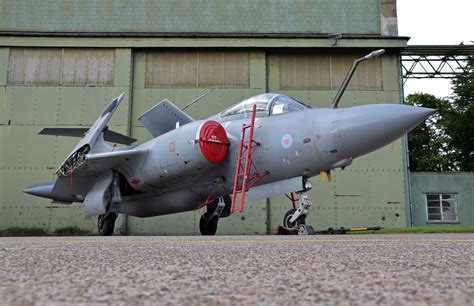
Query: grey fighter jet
191	164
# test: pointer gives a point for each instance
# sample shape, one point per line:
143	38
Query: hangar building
62	61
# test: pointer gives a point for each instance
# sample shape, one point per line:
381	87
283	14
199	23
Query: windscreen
262	102
285	104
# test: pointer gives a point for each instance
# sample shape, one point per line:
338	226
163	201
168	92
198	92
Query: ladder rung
244	156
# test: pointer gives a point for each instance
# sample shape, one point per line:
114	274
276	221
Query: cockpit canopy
268	104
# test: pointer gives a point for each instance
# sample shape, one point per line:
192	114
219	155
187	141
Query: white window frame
440	195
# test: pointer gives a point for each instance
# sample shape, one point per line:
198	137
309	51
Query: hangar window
368	75
305	71
327	72
170	69
197	69
56	67
442	207
34	66
227	69
93	67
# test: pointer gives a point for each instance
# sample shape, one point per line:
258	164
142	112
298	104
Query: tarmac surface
408	269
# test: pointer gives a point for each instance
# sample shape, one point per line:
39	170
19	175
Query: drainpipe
406	155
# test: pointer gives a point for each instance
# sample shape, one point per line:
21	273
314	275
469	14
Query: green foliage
428	143
445	141
461	119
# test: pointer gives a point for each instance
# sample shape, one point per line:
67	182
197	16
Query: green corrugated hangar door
49	87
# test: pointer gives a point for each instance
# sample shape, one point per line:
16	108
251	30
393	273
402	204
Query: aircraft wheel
288	215
208	228
106	224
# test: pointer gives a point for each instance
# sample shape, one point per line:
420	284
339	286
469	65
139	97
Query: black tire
208	228
286	220
106	224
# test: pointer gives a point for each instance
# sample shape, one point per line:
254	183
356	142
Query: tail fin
92	142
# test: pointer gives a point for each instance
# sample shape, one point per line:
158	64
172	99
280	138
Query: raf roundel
286	141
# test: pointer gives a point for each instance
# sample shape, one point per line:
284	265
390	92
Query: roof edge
199	35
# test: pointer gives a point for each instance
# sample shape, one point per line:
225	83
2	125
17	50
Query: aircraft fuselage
174	176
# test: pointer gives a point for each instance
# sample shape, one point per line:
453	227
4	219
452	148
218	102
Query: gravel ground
346	269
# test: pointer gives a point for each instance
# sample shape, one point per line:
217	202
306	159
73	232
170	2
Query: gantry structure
434	61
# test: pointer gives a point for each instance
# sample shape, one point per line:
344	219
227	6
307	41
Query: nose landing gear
289	215
296	217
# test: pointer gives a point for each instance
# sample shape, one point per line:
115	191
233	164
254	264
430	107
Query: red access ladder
245	165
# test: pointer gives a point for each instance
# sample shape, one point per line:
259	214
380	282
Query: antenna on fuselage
341	90
197	99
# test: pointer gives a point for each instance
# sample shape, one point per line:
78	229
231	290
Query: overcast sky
435	22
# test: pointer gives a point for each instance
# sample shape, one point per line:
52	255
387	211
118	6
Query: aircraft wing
68	189
164	117
109	135
96	163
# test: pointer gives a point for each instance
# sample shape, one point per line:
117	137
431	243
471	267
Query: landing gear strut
106	222
297	216
218	209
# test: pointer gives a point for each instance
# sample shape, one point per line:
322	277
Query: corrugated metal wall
192	16
70	86
47	87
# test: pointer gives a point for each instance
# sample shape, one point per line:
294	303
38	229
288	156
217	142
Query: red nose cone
213	141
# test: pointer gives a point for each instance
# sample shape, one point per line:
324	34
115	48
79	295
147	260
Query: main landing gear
220	208
106	222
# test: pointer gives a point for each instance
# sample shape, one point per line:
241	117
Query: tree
445	141
428	143
461	119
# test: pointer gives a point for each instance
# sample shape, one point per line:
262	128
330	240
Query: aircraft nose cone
369	127
40	190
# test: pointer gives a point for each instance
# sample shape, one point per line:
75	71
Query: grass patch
71	231
447	228
22	232
28	232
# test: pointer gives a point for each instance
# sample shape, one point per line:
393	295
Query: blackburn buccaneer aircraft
264	146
